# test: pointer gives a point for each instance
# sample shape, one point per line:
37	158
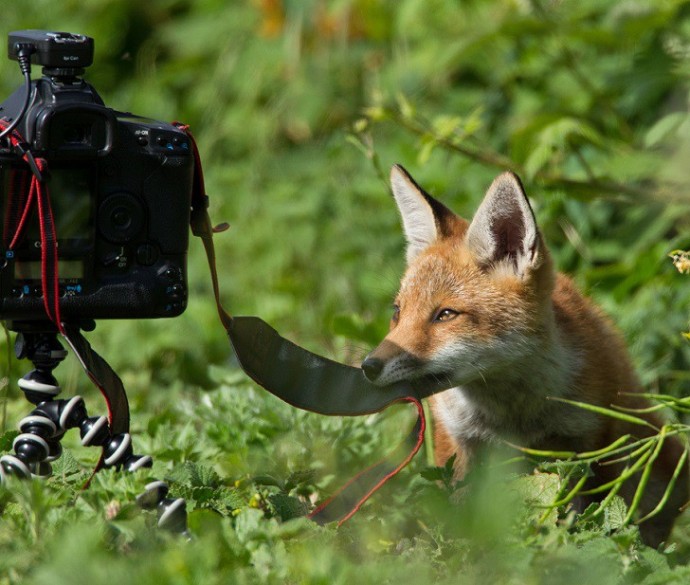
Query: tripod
42	430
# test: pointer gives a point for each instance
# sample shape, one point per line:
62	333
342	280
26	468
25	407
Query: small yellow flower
681	260
360	125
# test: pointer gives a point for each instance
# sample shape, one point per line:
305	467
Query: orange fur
481	305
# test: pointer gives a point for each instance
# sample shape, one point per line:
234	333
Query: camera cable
24	60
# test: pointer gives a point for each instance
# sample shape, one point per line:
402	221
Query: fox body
481	307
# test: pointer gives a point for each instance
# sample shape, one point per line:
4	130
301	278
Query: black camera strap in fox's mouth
309	381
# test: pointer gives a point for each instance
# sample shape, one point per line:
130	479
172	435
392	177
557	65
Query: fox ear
425	220
504	228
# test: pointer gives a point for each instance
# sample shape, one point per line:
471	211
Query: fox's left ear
425	220
504	228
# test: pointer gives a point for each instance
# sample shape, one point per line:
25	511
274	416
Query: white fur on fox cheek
457	360
469	361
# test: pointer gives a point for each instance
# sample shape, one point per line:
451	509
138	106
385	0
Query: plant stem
491	158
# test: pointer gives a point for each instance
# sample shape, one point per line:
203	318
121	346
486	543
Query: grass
249	467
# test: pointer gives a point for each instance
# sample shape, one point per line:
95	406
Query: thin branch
495	159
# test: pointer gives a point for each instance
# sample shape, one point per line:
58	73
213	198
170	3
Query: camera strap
309	381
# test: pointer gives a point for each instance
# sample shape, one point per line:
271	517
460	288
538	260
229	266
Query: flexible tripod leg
42	430
39	441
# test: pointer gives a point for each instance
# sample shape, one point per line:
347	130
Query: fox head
475	297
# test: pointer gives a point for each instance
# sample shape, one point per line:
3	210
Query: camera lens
120	217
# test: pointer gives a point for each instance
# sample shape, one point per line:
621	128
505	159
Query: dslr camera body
120	189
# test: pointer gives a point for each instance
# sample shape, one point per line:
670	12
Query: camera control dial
120	217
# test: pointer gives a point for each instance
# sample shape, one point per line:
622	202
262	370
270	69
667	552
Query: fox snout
389	363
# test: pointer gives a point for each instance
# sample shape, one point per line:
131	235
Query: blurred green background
299	108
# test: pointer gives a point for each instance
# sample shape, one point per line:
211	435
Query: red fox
481	306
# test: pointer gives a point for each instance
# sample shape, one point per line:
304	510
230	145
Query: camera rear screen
71	201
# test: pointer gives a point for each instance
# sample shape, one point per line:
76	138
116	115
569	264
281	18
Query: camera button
147	254
110	258
173	274
176	292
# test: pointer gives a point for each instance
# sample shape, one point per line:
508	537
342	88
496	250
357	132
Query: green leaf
6	440
446	126
424	154
66	465
287	507
298	478
194	475
663	128
540	490
432	473
540	155
615	514
406	108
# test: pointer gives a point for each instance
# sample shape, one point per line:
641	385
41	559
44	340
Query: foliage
300	107
245	528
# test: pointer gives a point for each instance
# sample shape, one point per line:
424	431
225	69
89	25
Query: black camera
120	189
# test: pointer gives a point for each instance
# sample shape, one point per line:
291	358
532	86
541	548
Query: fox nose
372	368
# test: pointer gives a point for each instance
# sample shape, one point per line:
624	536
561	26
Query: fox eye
445	315
396	314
